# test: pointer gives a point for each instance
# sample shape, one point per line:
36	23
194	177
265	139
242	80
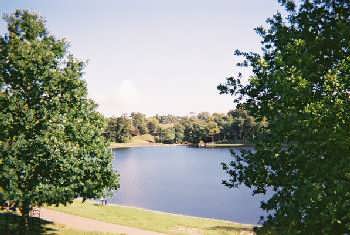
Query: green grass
136	141
10	224
152	220
142	139
62	230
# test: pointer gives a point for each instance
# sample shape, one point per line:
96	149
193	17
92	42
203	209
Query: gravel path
85	224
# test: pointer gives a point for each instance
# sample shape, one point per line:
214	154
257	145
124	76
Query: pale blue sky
154	56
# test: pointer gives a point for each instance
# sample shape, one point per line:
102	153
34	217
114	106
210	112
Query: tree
301	86
243	126
179	132
196	132
167	135
51	144
2	196
139	122
166	119
235	126
213	130
203	116
153	126
219	118
119	129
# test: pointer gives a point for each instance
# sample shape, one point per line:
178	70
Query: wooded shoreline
208	145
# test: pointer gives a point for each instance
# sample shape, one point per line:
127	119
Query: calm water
182	180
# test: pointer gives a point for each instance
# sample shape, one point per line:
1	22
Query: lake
182	180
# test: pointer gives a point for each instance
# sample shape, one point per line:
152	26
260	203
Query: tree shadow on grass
11	224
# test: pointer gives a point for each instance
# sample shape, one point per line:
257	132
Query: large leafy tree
301	85
51	144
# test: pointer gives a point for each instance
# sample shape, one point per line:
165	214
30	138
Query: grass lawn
10	224
152	220
141	139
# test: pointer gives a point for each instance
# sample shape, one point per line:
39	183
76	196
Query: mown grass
140	139
11	224
136	141
151	220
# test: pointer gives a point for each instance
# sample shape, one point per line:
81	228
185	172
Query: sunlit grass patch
153	220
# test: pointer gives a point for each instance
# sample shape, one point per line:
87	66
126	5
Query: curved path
86	224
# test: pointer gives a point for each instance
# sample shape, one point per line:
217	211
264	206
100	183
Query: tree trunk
25	210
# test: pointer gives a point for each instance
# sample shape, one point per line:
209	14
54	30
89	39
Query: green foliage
240	126
51	144
167	135
153	126
203	116
196	131
139	123
301	87
234	127
2	196
166	119
119	129
179	133
213	129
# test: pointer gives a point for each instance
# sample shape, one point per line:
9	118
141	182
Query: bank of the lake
208	145
139	145
154	220
215	145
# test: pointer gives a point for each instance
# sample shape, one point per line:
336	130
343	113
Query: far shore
208	145
139	145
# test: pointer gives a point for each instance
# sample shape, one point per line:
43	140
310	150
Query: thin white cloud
128	92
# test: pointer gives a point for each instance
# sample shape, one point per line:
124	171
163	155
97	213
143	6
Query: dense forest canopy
236	126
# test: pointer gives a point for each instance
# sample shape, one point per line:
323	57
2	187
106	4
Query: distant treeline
237	126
